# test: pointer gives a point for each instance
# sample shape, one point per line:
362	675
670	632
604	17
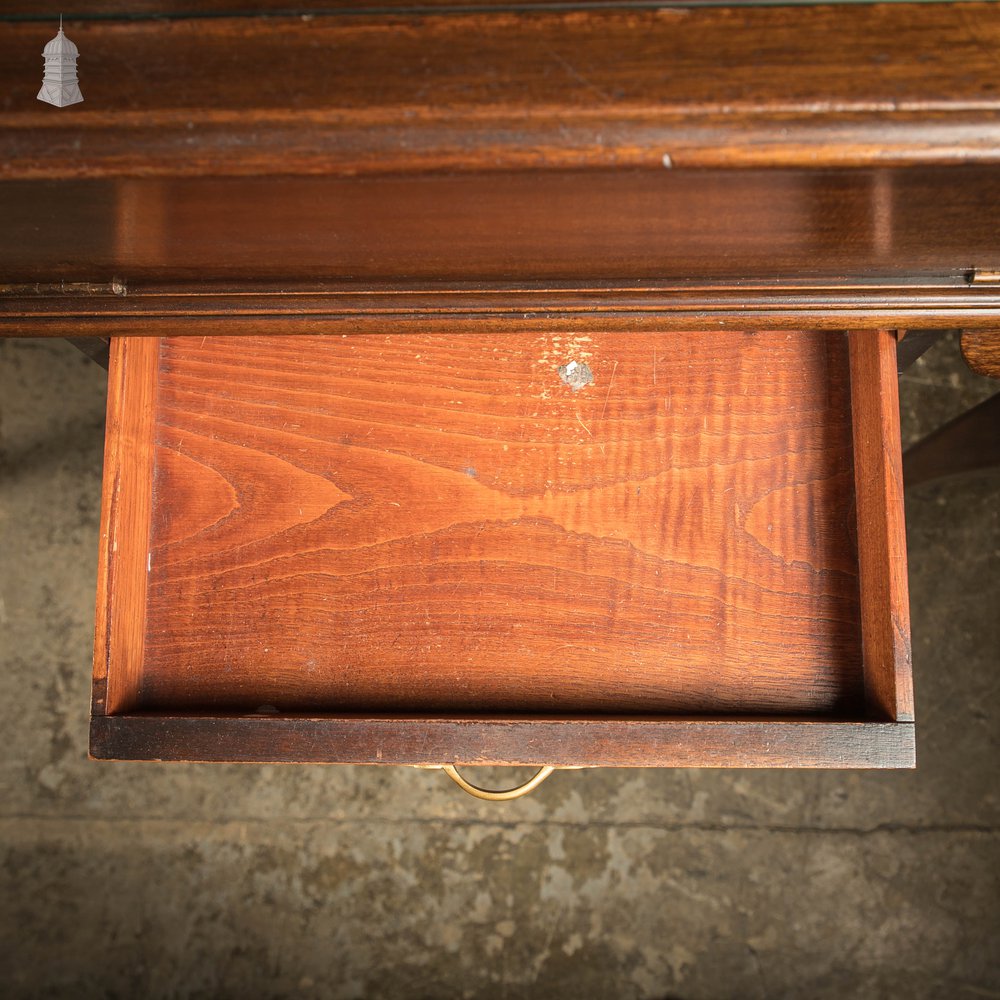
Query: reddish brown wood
491	310
120	621
416	524
885	612
379	523
563	742
850	229
84	10
981	350
844	85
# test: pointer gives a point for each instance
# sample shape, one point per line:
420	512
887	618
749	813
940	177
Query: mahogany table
510	386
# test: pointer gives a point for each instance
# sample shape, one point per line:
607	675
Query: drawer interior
414	523
525	524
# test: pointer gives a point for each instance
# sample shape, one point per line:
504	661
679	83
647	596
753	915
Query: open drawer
619	548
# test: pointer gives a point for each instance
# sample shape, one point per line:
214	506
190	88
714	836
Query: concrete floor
206	880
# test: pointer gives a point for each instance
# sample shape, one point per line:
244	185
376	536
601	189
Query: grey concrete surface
172	880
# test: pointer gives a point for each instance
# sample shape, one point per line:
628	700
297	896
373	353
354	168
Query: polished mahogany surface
571	226
608	87
409	539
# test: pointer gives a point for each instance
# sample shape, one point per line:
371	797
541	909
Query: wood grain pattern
84	10
981	350
464	232
492	309
415	524
126	514
565	742
885	611
840	84
726	584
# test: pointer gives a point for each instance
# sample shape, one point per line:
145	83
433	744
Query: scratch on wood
587	429
577	75
611	382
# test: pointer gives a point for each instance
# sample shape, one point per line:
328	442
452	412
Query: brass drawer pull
497	796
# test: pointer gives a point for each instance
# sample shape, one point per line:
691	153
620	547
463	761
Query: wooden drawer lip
508	741
937	301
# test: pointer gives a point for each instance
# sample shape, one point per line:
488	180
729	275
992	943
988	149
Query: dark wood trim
621	742
120	620
913	344
704	240
98	349
885	612
81	11
606	87
857	140
84	309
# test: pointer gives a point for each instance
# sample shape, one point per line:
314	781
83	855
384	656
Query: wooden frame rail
428	89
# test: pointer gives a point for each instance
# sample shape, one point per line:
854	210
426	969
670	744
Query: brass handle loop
493	795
